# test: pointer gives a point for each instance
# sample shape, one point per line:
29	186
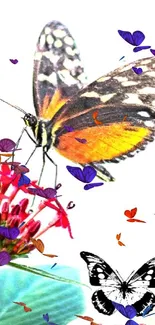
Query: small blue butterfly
134	39
86	175
137	70
128	312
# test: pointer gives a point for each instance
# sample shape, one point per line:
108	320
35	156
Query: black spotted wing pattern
112	287
58	71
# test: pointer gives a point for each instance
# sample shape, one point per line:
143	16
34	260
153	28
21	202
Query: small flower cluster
17	223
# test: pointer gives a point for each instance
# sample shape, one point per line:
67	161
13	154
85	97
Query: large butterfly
65	113
133	291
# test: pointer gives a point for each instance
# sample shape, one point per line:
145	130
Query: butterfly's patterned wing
58	71
124	102
123	85
143	279
133	291
144	276
102	275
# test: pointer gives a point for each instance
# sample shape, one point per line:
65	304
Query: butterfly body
124	288
41	130
135	290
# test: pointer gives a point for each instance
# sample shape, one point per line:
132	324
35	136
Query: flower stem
45	274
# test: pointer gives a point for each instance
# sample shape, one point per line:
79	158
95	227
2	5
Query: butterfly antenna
16	107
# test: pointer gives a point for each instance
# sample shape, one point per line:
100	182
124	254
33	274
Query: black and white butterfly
112	287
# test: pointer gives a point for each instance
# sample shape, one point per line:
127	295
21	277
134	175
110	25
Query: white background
99	213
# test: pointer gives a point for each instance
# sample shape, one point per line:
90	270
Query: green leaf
45	274
14	257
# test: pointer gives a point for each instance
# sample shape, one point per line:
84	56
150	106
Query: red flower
16	219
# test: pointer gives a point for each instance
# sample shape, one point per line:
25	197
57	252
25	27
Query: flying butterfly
134	291
65	109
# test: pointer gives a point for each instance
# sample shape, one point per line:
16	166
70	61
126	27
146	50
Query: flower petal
5	258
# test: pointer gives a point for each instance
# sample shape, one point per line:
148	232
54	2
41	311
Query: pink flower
18	224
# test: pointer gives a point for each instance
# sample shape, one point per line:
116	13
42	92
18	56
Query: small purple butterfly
14	61
46	317
134	39
137	70
128	312
86	175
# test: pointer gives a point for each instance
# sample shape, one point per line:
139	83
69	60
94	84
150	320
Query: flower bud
5	211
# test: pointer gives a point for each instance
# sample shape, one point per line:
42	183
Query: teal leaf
62	301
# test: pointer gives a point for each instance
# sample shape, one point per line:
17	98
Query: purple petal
49	192
24	180
23	169
37	191
128	311
7	145
140	48
81	140
20	169
89	186
138	37
134	39
137	70
14	61
89	173
127	36
131	311
76	172
9	233
5	258
131	322
152	51
46	317
13	233
120	308
68	128
12	163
